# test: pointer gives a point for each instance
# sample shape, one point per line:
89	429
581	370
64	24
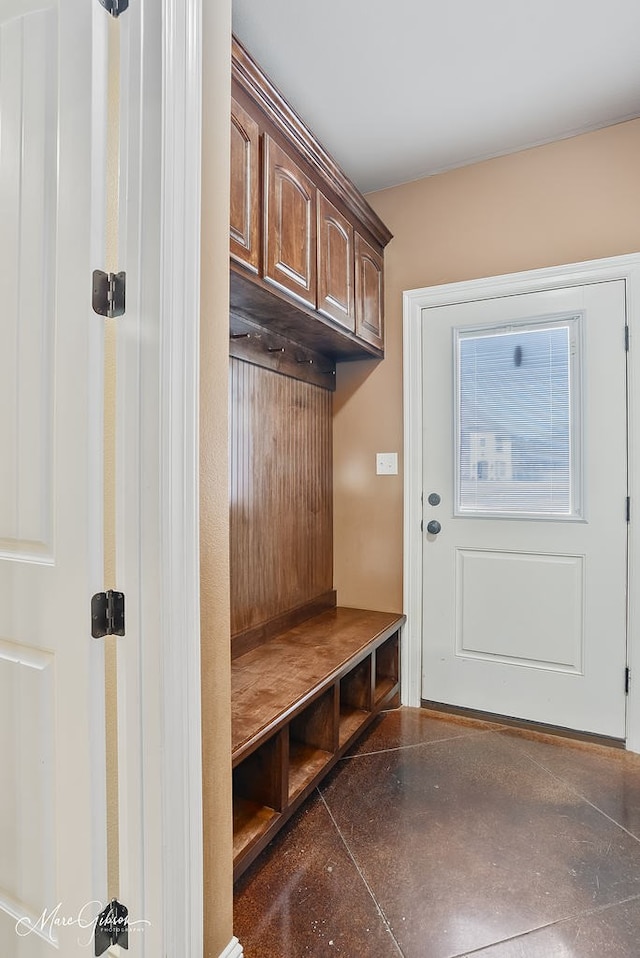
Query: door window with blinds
518	419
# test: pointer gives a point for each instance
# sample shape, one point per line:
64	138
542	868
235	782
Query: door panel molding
29	103
626	268
559	646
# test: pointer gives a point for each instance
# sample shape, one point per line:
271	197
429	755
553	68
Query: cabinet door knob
434	527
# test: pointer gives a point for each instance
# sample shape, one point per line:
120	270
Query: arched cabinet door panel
244	232
369	293
335	264
289	224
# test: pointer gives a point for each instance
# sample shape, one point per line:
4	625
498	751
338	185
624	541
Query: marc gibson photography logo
97	923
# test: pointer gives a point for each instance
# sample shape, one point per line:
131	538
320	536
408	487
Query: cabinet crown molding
247	73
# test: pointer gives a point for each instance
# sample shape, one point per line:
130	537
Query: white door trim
233	949
626	268
158	467
179	465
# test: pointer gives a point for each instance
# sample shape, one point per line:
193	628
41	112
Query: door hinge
115	7
107	614
626	339
628	508
109	293
112	927
627	680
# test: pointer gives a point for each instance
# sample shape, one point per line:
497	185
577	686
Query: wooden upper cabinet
369	293
245	188
306	246
335	264
289	224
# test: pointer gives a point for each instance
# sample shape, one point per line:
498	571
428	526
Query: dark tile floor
439	837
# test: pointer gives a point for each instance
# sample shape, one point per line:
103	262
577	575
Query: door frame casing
626	268
159	695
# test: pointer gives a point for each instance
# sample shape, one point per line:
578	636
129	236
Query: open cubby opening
386	658
355	699
258	792
313	741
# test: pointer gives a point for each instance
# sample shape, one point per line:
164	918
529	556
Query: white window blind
517	435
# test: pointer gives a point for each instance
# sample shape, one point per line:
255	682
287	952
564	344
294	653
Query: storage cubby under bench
299	701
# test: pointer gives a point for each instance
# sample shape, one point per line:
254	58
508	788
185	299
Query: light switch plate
386	463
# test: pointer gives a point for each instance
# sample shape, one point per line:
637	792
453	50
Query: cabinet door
289	225
245	190
369	293
335	264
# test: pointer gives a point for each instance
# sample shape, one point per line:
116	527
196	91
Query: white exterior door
52	743
525	445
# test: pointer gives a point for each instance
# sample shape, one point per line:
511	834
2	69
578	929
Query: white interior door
525	444
52	817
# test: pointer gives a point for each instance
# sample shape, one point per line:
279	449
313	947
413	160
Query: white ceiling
398	89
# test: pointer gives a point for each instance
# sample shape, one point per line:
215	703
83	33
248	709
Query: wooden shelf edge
382	703
245	856
383	688
306	766
250	823
244	749
352	721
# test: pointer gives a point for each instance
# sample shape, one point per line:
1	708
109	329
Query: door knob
434	527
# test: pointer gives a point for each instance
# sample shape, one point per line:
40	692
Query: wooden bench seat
298	703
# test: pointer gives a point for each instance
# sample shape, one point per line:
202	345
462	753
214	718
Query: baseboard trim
525	724
233	949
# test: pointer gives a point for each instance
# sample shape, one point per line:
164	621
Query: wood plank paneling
280	494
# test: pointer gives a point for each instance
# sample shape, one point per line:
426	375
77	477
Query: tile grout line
435	741
383	917
575	791
550	924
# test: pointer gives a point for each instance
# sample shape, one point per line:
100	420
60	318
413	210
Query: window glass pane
516	447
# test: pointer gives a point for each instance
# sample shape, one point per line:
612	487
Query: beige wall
573	200
214	502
